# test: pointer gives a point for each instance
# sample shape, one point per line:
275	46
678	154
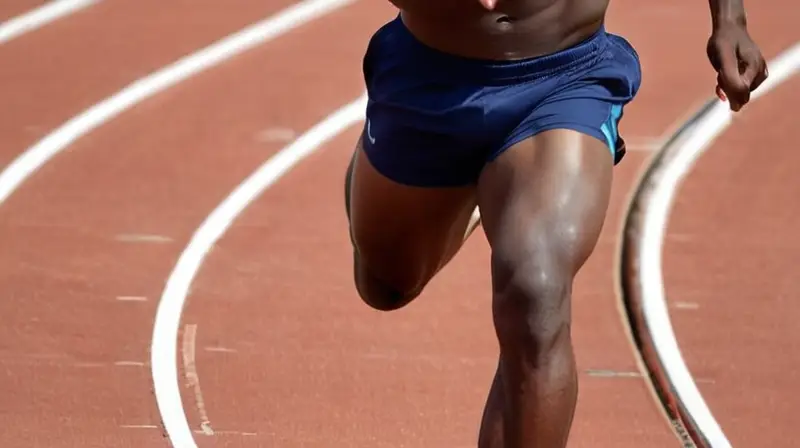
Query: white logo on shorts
369	133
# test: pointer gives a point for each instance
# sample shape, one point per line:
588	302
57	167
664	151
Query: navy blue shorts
434	119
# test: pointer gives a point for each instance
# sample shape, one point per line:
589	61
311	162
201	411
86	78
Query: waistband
574	57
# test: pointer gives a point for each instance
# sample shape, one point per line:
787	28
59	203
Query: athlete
510	106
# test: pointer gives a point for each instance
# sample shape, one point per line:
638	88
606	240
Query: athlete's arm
727	11
733	54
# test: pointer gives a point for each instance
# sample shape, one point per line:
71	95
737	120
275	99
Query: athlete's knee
381	293
531	302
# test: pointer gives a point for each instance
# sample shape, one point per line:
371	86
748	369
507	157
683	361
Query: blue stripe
609	128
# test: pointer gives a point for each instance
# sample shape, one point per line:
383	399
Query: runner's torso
515	29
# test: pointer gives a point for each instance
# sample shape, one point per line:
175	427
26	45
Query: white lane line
132	298
164	370
168	316
655	205
220	350
129	364
282	22
142	238
231	433
36	18
190	369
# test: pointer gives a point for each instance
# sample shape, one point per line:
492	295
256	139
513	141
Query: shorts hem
395	172
586	130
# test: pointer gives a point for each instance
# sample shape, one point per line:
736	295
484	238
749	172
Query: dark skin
733	54
542	206
514	29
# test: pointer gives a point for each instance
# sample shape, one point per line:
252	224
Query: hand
489	4
739	64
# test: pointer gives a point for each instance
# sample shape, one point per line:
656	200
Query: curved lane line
258	33
164	370
641	254
39	17
168	316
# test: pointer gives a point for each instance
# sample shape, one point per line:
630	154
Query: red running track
285	353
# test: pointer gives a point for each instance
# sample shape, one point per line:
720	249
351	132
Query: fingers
731	81
721	93
741	72
734	90
755	73
740	67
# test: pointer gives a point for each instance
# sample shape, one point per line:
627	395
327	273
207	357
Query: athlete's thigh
547	187
545	198
402	230
417	163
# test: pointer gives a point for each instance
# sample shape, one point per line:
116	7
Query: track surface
12	8
739	281
285	353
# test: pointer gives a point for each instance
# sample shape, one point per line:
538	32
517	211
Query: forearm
727	11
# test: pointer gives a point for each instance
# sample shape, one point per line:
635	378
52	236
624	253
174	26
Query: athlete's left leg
543	203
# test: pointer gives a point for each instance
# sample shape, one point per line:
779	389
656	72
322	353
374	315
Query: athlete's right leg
402	235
